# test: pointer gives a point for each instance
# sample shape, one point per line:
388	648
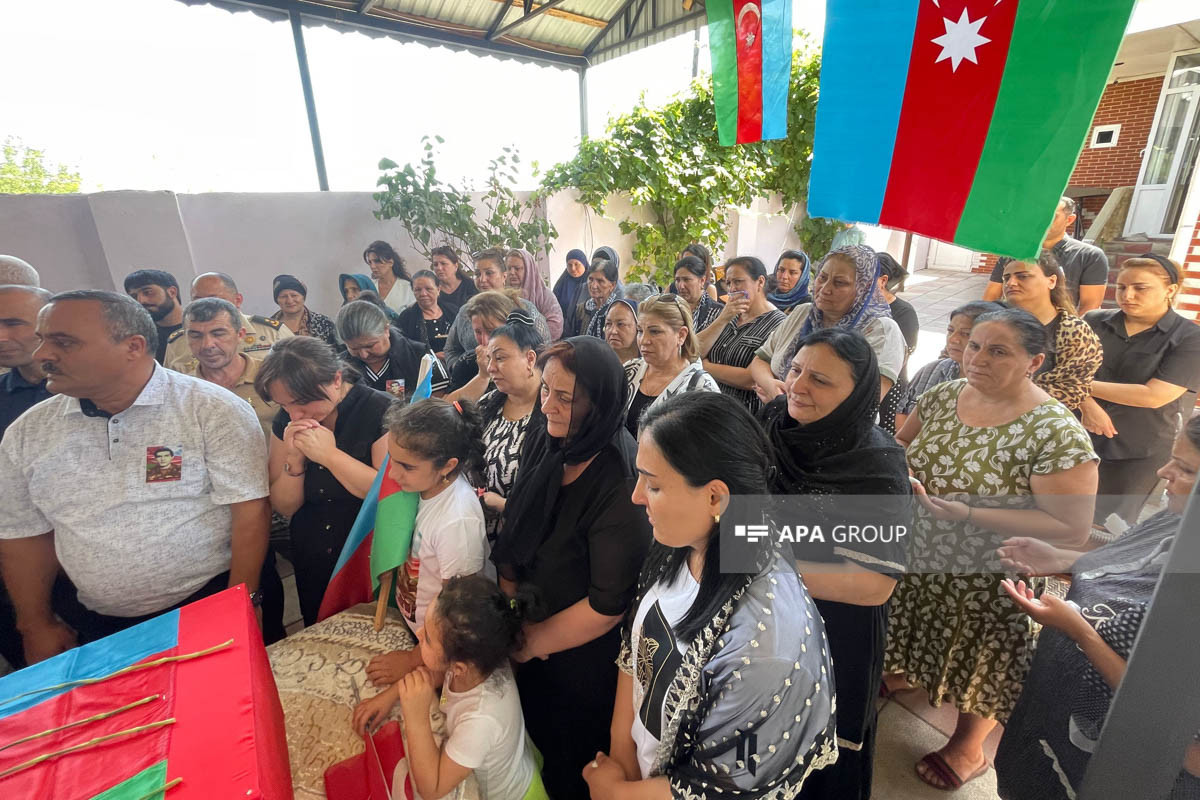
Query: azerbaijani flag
184	703
386	510
960	120
751	46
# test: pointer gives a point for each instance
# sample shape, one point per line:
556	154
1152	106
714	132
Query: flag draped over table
751	46
382	533
184	703
958	120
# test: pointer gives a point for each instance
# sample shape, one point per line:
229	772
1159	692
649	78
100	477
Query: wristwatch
256	598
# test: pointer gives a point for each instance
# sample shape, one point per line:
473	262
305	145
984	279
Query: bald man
25	385
16	272
261	332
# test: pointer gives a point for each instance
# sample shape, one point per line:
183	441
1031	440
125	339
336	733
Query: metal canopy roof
573	34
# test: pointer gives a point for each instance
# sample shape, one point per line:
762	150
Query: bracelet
287	467
968	519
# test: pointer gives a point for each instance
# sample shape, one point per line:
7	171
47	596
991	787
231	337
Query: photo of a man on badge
162	466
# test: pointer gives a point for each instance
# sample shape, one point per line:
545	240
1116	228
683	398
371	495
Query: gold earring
716	519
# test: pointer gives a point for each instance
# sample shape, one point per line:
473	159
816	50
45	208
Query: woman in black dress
1145	386
508	410
430	318
574	537
826	444
327	444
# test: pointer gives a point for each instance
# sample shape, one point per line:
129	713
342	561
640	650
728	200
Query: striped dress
736	346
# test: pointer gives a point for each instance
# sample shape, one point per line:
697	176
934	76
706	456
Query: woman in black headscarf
573	536
827	446
603	289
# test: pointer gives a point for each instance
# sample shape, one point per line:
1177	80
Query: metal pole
1156	710
696	55
583	104
306	83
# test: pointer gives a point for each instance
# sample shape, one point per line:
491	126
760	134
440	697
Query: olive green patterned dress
952	629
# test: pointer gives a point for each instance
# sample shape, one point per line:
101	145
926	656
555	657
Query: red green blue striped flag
751	46
183	704
382	533
960	120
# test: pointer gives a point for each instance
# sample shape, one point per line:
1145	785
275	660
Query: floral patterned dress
952	630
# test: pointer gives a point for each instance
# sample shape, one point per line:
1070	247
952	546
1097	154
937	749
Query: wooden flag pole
385	591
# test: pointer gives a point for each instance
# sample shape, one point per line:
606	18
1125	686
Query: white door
950	256
1170	155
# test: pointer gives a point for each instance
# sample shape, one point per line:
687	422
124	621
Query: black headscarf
845	452
528	512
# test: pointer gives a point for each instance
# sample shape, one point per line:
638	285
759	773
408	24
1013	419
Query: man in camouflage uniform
260	332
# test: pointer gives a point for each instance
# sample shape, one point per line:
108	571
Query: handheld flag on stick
381	537
960	120
751	46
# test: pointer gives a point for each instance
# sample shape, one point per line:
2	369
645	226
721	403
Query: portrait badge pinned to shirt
164	463
395	388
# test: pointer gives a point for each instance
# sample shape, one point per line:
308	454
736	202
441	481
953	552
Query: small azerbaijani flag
751	46
387	511
960	120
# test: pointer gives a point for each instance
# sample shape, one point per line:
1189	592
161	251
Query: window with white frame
1105	136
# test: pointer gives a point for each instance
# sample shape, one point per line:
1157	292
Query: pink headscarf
536	290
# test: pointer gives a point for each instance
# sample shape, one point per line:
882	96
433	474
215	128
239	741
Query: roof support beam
559	13
612	23
365	6
528	15
589	52
310	104
424	33
632	23
495	26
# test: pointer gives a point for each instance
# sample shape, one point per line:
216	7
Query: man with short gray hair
24	385
18	272
84	484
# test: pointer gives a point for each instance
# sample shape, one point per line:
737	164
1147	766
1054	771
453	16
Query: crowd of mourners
583	439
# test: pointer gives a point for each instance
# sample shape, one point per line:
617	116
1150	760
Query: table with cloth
321	674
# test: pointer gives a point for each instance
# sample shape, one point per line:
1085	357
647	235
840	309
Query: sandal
947	777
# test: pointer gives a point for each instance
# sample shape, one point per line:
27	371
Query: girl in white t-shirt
469	633
431	445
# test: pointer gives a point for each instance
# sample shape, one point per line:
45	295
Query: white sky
154	94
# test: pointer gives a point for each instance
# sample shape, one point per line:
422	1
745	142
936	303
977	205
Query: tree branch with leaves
668	161
434	212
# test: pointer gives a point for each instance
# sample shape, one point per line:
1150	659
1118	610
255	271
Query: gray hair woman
389	361
604	286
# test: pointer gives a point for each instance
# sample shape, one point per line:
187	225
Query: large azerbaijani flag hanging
751	46
958	120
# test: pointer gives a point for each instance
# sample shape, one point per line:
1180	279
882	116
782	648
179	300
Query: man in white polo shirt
84	484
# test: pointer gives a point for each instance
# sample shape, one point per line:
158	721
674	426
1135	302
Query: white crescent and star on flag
961	38
749	30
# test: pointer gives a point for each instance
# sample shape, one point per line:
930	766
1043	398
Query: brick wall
1131	105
